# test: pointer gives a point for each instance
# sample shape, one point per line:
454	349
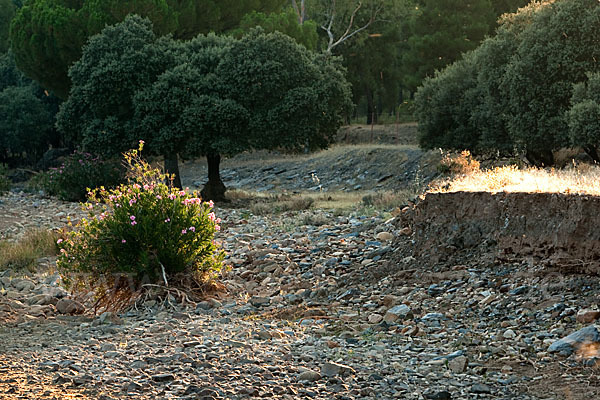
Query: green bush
146	229
512	93
584	116
4	181
79	172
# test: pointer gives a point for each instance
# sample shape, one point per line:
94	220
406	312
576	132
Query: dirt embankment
543	228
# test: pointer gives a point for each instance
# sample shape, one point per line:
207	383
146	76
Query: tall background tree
7	12
440	31
47	35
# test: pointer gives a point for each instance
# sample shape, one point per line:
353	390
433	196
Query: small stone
23	285
566	346
509	334
69	306
390	300
480	388
587	316
163	377
257	301
437	395
458	365
406	231
333	369
397	312
108	347
42	300
310	376
375	318
385	236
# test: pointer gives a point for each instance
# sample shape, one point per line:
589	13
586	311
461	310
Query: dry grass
582	179
24	253
338	201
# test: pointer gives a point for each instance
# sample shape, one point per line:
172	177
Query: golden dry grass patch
23	253
581	180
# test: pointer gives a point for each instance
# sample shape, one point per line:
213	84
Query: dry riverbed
314	308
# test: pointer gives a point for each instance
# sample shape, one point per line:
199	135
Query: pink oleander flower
136	186
133	223
217	228
218	220
132	201
181	193
211	216
192	228
132	217
211	204
172	196
158	197
184	231
123	241
167	220
59	241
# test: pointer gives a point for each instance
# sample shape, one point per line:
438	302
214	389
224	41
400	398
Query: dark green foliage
555	51
48	35
79	172
7	12
508	6
523	85
284	22
25	124
583	117
374	64
440	31
115	64
208	96
275	89
443	106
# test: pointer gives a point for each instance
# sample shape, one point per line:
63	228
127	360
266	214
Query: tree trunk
214	189
172	167
371	108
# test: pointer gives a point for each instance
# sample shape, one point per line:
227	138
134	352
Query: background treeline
531	88
386	46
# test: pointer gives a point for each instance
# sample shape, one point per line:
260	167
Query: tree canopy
208	96
48	35
523	84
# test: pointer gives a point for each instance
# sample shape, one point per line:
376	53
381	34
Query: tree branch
349	30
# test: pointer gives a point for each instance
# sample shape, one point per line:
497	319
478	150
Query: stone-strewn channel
318	307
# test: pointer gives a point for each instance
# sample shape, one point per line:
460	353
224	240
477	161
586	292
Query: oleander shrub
79	172
145	229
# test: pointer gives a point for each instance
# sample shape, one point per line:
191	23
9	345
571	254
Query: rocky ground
317	306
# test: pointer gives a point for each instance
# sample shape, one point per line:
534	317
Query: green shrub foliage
79	172
584	115
146	229
517	95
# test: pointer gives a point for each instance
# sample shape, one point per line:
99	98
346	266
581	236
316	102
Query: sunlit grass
583	179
